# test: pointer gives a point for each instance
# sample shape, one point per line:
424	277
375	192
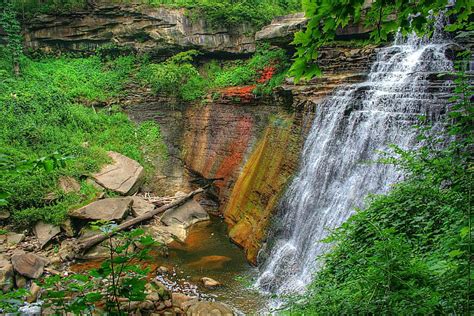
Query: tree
10	24
384	17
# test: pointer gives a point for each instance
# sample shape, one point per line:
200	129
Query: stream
206	252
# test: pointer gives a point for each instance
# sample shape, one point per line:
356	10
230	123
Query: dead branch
83	245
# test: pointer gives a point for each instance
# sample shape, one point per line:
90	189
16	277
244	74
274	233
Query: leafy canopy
383	17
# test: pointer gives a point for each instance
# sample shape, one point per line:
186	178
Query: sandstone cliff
154	30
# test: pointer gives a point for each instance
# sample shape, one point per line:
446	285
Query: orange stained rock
260	184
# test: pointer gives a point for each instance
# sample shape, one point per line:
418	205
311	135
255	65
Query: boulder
123	175
28	264
96	253
6	275
45	232
210	283
140	206
14	238
34	292
107	209
185	215
204	308
181	300
167	234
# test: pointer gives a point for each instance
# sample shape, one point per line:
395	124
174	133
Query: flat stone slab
45	232
140	206
107	209
185	215
122	176
28	264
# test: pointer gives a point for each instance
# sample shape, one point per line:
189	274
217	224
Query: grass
43	112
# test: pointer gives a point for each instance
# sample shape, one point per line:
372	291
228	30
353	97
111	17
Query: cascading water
349	131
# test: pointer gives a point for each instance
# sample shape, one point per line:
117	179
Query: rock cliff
154	30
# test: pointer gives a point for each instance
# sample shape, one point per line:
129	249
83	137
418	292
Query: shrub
40	116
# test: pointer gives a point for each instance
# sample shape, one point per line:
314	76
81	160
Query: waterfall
337	169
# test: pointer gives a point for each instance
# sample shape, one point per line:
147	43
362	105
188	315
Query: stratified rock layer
146	29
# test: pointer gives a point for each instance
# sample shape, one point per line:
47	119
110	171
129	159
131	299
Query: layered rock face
262	181
157	31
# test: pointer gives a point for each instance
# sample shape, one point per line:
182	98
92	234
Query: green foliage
179	76
9	23
12	300
122	275
409	251
234	12
384	17
31	7
41	116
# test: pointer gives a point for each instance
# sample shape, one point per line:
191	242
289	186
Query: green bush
41	115
234	12
178	76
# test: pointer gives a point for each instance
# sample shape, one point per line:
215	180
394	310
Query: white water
350	130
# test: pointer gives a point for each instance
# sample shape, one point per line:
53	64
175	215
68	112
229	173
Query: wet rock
107	209
34	292
122	176
210	283
6	275
28	264
167	234
14	238
45	232
4	214
140	206
185	215
209	308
